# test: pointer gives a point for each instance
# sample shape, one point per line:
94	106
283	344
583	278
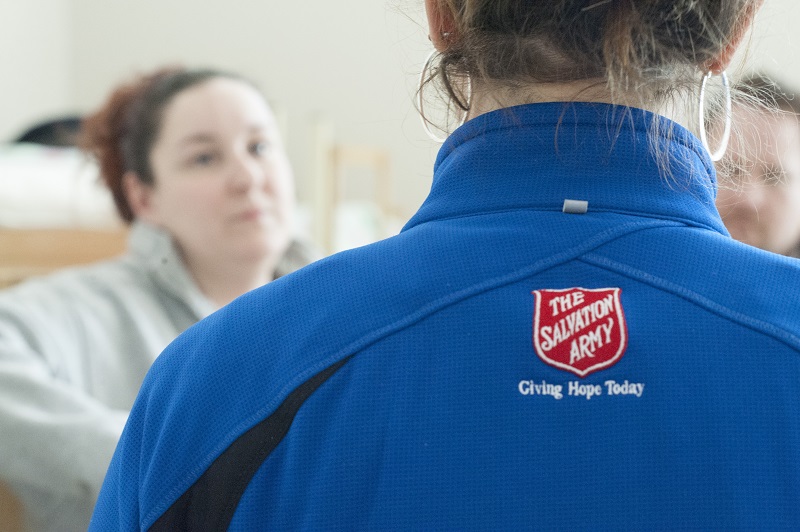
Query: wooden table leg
10	511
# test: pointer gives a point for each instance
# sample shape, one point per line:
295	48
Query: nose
742	201
746	193
246	172
754	194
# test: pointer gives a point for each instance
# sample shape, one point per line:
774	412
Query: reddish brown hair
121	134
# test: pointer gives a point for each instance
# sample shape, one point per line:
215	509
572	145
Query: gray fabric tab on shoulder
575	206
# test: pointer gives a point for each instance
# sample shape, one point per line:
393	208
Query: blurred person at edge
563	337
759	190
195	164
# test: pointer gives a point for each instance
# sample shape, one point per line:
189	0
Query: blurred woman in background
196	166
759	193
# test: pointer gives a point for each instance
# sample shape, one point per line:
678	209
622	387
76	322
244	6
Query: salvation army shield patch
579	330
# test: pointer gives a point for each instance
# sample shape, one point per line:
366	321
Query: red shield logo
579	330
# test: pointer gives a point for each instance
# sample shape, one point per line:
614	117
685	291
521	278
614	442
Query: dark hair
62	132
121	134
654	46
766	91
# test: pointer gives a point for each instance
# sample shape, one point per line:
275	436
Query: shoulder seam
719	309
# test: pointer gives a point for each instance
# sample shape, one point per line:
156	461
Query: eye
773	177
259	148
732	171
203	159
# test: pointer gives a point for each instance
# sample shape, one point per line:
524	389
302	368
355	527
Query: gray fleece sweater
74	348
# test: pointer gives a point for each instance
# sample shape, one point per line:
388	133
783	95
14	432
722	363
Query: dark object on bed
57	132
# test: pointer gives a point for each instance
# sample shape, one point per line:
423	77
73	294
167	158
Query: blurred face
223	185
759	200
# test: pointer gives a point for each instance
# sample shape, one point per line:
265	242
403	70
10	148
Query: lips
251	214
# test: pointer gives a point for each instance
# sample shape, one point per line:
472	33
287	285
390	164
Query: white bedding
43	187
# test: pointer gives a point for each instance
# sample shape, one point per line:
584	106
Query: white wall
774	44
35	61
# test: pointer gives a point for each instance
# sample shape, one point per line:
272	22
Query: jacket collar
155	250
536	156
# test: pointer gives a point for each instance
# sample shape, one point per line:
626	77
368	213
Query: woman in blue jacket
563	337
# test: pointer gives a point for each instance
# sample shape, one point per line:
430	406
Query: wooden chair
10	511
334	165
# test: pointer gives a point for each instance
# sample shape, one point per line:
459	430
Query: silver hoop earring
425	122
726	135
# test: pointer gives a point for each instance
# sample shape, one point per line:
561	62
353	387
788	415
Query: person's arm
54	436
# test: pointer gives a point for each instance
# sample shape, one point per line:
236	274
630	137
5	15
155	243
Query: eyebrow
208	138
199	138
265	126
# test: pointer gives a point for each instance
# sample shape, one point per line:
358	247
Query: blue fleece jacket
500	364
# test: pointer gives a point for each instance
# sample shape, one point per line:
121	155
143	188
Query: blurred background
341	76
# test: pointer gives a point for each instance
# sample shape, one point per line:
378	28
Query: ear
140	198
743	24
440	22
